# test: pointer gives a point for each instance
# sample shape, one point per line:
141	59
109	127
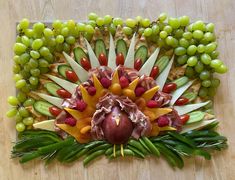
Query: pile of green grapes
194	44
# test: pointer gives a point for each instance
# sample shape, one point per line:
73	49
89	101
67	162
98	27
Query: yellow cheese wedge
86	97
148	95
133	84
45	125
154	113
115	78
79	115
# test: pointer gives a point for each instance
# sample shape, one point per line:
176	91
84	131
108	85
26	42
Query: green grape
27	67
112	29
174	23
44	51
206	83
23	112
28	121
12	112
141	30
210	27
203	92
155	29
215	82
200	48
205	58
210	47
138	19
43	63
34	54
16	59
81	27
182	59
221	69
21	83
71	24
29	33
168	29
187	35
214	54
127	30
145	22
161	25
197	34
162	17
66	47
65	31
148	32
26	88
18	117
25	40
183	42
70	40
38	27
199	67
17	77
21	97
24	23
100	21
51	42
193	42
107	19
199	25
216	63
163	34
18	39
191	50
208	36
192	61
92	23
24	58
184	20
12	100
19	48
117	21
20	127
59	47
211	92
48	32
204	75
25	74
29	102
37	43
57	24
161	42
180	51
16	68
189	72
131	22
178	33
35	72
33	80
92	16
172	41
49	58
90	29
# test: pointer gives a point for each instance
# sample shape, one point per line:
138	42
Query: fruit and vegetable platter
116	88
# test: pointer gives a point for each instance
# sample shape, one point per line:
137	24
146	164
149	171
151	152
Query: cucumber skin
100	47
41	106
121	47
195	116
181	81
62	68
141	53
50	86
78	54
190	96
162	63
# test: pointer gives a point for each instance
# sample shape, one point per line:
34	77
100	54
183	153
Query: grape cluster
36	44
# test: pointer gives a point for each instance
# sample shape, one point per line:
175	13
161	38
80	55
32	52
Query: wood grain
222	166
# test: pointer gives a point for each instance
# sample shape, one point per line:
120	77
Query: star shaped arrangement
115	88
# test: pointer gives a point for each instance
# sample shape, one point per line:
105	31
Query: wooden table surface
222	165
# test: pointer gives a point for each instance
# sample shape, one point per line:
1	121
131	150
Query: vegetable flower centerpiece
114	89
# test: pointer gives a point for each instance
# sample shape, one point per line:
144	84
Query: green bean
138	146
182	138
183	149
92	156
109	151
67	151
29	156
151	146
136	151
203	153
206	133
216	138
94	144
144	145
211	125
55	146
102	146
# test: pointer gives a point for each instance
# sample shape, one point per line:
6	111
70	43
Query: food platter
110	88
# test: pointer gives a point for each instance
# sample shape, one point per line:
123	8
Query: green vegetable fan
110	88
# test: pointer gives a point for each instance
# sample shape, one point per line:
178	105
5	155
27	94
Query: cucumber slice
141	53
195	116
191	96
79	54
121	47
43	108
52	88
162	63
100	47
62	69
181	81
